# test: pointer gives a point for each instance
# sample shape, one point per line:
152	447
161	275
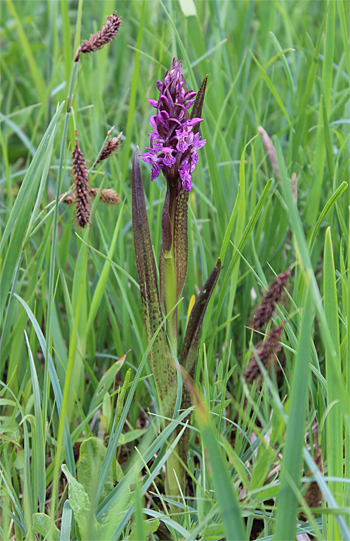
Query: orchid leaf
190	346
161	358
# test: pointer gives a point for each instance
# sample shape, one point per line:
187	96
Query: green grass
70	306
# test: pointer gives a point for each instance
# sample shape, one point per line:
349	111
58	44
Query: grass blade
225	492
19	218
334	418
40	445
287	504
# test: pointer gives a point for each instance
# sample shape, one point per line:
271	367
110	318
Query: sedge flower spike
82	191
102	37
173	144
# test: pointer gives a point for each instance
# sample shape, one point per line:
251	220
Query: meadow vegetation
85	439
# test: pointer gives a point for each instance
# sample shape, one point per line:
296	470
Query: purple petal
146	157
158	146
187	185
164	99
182	146
199	144
169	160
155	171
194	157
188	104
194	121
156	121
190	95
154	103
188	164
186	179
189	139
164	114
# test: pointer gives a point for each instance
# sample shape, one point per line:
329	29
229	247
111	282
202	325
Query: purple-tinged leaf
162	361
189	351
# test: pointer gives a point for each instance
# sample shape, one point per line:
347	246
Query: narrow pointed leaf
162	362
307	93
334	437
287	510
189	353
190	346
196	111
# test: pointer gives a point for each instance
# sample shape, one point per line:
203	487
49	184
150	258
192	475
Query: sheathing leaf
162	361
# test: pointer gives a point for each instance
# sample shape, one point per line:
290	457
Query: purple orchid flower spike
173	140
174	145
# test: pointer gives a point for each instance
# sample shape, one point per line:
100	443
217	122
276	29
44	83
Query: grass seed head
67	199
